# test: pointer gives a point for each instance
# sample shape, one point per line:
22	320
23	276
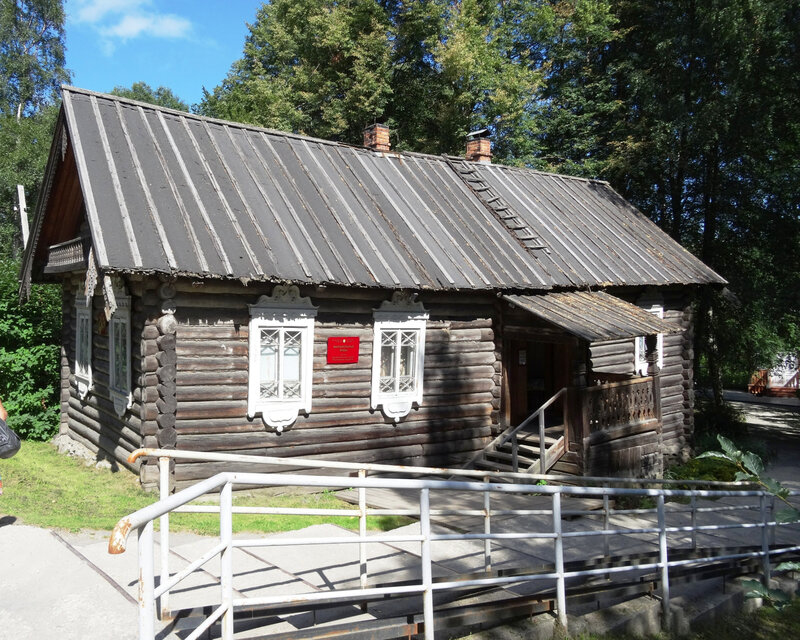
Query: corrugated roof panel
599	238
173	192
593	316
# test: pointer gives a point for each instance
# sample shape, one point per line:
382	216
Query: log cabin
233	288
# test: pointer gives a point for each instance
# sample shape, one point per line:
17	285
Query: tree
31	55
311	66
31	70
708	149
163	96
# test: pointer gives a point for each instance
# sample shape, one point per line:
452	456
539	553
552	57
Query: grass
764	624
46	489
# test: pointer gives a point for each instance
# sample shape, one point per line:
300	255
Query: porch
560	415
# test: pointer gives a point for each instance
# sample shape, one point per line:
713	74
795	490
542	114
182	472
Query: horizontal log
615	433
435	416
265	446
189	377
113	433
101	410
222	331
360	437
93	442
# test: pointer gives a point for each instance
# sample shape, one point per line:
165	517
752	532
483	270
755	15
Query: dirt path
779	428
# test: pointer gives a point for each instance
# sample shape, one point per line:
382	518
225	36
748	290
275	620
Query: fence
537	522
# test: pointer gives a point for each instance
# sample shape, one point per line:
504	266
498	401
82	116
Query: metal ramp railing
507	522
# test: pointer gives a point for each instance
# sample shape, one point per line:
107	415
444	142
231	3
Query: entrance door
536	370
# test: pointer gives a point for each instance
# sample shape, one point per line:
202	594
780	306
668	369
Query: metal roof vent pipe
479	146
376	137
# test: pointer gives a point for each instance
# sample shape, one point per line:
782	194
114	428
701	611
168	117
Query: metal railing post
362	532
606	523
163	521
487	528
226	558
772	519
514	453
561	591
147	604
542	445
425	554
765	560
664	562
693	503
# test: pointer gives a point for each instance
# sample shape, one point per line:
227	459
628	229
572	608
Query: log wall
461	382
676	384
92	421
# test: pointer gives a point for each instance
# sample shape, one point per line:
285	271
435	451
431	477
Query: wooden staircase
528	452
521	448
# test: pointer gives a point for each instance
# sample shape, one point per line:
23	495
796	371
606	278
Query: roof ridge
198	117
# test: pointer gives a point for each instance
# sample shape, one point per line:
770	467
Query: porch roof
593	315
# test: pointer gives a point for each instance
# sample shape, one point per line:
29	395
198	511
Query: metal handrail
511	432
311	463
143	519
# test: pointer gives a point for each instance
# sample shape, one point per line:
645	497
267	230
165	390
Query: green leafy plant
750	468
30	334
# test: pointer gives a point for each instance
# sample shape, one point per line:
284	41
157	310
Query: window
119	347
640	355
281	357
398	356
83	345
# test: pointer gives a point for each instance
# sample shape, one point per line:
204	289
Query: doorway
536	370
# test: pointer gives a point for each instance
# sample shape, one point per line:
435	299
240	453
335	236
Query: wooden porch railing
758	382
631	401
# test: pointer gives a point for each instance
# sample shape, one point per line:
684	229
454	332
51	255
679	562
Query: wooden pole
23	214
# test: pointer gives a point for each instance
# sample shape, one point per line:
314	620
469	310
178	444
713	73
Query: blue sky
181	44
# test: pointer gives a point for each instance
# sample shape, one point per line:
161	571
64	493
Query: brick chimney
479	147
376	137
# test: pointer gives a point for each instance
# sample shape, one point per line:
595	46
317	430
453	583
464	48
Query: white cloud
150	24
117	21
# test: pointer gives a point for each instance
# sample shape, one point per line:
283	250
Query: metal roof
593	315
171	192
595	236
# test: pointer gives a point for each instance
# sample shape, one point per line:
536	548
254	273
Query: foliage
46	489
312	66
750	468
30	333
764	624
25	145
163	96
711	419
31	55
702	469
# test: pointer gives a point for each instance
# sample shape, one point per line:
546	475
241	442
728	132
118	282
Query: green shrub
709	420
30	335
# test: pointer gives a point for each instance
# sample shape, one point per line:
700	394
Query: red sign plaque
342	350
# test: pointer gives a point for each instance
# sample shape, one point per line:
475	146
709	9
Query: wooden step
482	463
522	460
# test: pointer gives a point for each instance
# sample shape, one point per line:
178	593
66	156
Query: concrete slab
46	591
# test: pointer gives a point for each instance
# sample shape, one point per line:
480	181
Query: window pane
268	381
292	348
120	381
408	361
388	355
82	357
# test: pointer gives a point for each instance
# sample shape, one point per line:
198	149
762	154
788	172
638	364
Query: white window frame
640	351
83	361
120	324
284	311
398	315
